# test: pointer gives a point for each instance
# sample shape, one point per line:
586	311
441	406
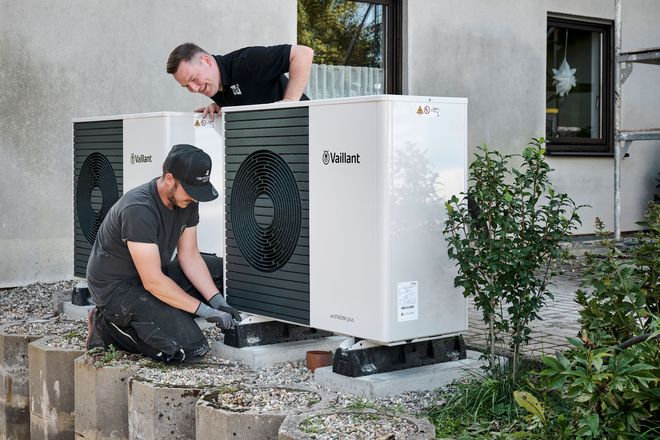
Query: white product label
408	301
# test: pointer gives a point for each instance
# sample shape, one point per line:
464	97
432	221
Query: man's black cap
192	167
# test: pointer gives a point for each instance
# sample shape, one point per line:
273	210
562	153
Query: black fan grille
96	192
104	138
265	211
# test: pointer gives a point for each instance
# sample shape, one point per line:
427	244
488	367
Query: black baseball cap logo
192	167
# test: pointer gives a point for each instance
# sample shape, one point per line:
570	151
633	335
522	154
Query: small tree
506	241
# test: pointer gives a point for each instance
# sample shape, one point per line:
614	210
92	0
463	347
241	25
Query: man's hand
210	110
221	319
218	302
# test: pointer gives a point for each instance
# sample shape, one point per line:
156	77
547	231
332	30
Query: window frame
393	64
603	146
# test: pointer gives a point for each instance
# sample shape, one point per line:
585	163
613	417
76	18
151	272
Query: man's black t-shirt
138	216
253	75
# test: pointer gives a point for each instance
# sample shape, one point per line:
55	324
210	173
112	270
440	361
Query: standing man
146	299
252	75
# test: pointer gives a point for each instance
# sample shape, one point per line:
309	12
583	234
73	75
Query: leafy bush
613	370
505	244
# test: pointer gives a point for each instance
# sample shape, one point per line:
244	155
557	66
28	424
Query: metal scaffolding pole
618	80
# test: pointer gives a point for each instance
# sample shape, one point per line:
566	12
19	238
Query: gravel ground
58	325
258	399
35	302
357	426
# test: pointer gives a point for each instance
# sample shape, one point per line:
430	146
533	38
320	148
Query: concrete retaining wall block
101	400
159	412
218	422
51	388
14	394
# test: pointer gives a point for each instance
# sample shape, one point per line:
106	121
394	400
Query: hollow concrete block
101	399
51	389
159	412
14	394
217	422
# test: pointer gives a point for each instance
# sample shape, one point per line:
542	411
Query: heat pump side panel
207	135
149	138
348	202
429	160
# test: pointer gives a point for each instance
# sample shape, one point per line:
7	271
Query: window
356	46
579	96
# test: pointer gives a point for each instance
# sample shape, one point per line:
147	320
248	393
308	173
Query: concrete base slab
424	378
51	387
101	399
77	313
59	298
265	356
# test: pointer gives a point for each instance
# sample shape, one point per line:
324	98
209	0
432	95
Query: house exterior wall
77	58
494	53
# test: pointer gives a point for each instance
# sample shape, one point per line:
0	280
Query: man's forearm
166	290
198	274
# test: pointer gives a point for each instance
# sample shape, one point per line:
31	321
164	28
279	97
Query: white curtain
326	81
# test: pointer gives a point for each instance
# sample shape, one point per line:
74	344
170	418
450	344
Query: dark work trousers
135	321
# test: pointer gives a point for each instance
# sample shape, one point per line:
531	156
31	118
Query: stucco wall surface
78	58
494	53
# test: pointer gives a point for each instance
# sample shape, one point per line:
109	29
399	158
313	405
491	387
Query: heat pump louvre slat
266	114
107	131
248	274
290	308
288	157
290	268
259	132
275	311
273	290
267	142
239	153
284	122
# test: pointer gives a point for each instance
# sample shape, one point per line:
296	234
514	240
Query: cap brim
204	193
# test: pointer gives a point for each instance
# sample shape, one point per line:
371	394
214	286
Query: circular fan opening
96	192
265	211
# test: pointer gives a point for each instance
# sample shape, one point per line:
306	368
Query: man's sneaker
94	332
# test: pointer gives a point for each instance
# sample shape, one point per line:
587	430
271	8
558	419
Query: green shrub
611	374
506	244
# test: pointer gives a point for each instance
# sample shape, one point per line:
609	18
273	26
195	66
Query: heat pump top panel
335	211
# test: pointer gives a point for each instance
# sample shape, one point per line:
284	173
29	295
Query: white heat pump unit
335	211
113	154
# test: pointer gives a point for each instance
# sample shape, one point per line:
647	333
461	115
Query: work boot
94	331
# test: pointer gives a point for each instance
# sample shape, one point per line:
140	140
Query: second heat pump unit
335	210
113	154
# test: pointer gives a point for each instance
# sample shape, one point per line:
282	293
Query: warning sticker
431	111
408	301
201	122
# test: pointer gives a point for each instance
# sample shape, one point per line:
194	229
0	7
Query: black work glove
217	317
218	302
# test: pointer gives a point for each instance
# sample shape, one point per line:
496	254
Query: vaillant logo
140	158
330	157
